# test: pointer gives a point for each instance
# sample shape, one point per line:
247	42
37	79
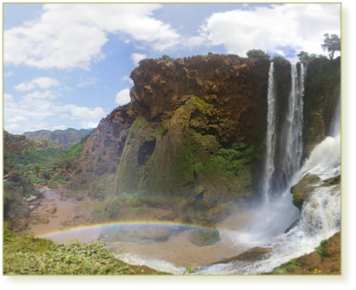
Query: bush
52	184
193	73
321	249
278	59
257	53
166	58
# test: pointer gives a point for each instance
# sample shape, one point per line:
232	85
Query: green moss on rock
302	189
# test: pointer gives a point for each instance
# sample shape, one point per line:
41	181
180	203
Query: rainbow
123	224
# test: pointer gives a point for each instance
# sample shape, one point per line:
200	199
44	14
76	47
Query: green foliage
321	249
198	167
52	184
193	73
293	265
32	256
332	180
305	57
331	44
46	174
278	59
257	54
138	211
166	58
33	157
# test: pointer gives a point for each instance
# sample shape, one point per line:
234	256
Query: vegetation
193	73
257	53
332	180
166	58
331	44
306	57
278	59
32	256
321	249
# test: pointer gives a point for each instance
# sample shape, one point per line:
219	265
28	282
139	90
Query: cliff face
322	93
195	129
67	138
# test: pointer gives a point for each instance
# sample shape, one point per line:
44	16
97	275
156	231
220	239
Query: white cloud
32	111
123	97
60	127
297	26
25	87
89	125
85	113
87	81
136	57
8	73
127	78
43	83
8	98
72	35
39	95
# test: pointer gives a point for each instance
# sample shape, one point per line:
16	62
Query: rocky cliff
321	97
195	129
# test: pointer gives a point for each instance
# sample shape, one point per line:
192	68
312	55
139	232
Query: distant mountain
67	138
17	143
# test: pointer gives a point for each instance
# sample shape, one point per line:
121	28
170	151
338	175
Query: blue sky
69	65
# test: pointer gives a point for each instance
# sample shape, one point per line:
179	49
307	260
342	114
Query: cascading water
292	143
320	216
270	141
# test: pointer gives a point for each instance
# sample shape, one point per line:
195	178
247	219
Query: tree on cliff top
305	57
331	44
257	53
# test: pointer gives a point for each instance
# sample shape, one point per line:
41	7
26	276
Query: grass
321	249
33	256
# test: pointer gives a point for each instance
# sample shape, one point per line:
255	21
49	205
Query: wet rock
77	219
292	226
204	237
41	213
142	235
332	180
251	255
168	217
303	189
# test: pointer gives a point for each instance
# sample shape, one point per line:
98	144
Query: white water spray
292	142
270	142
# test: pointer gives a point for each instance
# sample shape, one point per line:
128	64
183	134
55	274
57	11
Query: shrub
257	53
321	249
52	184
278	59
193	73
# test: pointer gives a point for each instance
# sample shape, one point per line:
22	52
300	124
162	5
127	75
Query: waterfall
270	142
335	123
291	139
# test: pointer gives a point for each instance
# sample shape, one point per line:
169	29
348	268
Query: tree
257	53
331	44
166	58
303	56
37	169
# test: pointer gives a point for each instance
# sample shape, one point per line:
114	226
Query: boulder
204	237
303	189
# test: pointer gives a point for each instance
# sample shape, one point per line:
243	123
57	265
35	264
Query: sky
68	65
